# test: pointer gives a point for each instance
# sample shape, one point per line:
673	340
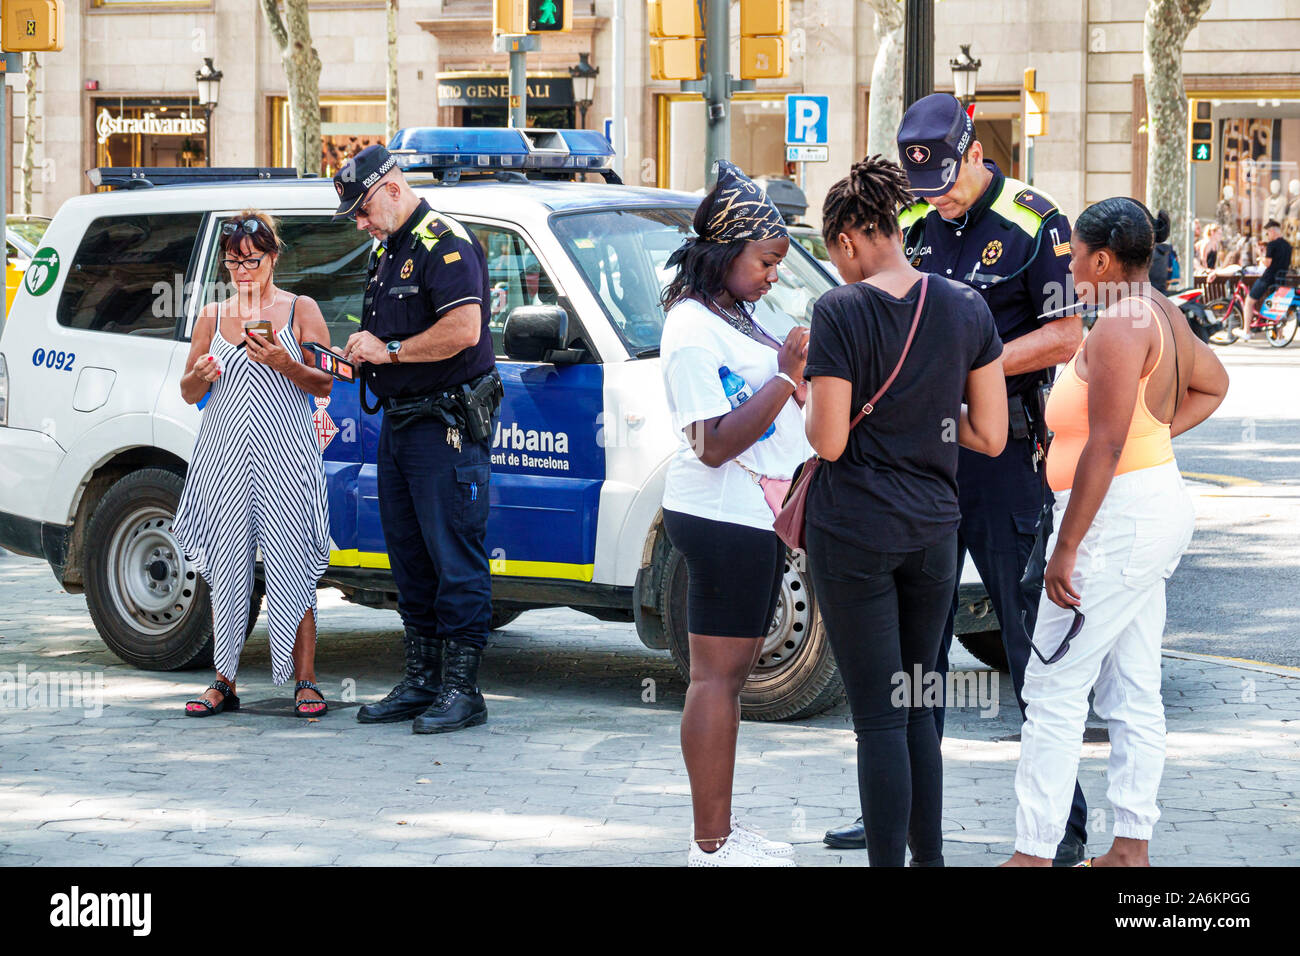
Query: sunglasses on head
232	226
1075	626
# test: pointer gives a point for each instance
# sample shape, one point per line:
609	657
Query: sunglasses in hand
1075	626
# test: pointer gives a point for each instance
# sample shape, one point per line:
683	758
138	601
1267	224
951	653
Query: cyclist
1277	259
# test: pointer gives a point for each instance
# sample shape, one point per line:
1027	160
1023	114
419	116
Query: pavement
579	763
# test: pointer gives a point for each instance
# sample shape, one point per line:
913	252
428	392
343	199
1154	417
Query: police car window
515	277
128	274
623	255
322	259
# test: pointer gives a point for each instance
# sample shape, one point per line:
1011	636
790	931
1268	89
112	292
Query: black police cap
357	174
935	133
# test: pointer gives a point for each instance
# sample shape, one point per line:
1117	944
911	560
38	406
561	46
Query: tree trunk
30	67
1165	29
885	105
390	93
302	70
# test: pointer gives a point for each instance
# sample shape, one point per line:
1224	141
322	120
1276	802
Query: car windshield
623	255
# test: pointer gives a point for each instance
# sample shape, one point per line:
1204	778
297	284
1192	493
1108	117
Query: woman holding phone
255	479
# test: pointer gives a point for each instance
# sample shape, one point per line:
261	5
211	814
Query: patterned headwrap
738	209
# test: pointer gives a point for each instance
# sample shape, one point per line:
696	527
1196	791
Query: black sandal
228	701
298	704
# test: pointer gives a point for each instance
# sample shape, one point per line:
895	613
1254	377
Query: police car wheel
986	647
149	605
796	676
503	616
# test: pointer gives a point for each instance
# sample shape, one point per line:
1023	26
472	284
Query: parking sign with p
806	120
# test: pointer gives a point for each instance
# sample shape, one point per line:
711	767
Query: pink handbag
791	521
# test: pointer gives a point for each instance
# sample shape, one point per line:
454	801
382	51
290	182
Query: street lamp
584	85
209	83
964	75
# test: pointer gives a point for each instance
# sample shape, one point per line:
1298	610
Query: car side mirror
539	333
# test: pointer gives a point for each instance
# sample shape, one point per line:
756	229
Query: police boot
418	687
459	704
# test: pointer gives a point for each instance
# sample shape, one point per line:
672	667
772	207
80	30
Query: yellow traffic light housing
508	17
763	24
1200	132
32	26
676	39
1034	106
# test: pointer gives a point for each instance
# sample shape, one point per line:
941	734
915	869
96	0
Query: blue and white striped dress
256	481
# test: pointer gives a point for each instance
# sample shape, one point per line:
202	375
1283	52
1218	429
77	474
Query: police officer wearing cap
1008	241
426	354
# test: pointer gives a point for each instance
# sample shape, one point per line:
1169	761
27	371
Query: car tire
797	675
149	605
503	616
986	647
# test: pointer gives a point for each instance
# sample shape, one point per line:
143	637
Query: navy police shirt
1012	246
429	266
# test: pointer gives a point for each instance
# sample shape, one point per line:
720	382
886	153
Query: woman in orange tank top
1123	520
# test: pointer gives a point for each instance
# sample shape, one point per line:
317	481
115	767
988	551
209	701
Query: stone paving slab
578	765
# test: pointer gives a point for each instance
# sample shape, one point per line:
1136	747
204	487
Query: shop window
125	272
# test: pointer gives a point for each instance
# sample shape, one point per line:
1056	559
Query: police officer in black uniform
427	356
1010	242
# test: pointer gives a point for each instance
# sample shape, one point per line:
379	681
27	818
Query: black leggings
885	614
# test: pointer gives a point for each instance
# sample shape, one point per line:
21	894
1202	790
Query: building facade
122	91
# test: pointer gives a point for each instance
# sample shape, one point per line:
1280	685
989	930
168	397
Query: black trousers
433	505
884	614
1002	502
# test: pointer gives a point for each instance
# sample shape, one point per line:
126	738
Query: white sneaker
752	834
735	852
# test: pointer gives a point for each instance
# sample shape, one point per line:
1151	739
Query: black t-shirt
895	486
1279	250
428	267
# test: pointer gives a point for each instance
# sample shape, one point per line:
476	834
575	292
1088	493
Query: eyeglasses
1075	626
250	264
231	226
363	206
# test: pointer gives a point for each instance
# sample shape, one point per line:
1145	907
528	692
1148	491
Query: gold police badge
992	253
407	267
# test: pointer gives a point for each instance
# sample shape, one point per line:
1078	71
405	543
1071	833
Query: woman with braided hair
922	356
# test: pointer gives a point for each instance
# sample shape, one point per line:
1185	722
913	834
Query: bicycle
1276	316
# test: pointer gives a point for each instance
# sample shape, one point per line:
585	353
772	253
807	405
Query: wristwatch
393	349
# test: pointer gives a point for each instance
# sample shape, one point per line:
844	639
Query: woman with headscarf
733	393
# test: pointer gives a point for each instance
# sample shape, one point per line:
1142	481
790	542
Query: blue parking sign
806	120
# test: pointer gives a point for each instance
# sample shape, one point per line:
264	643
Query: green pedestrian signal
1200	131
1202	152
546	16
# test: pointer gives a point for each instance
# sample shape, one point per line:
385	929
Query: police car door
547	463
326	261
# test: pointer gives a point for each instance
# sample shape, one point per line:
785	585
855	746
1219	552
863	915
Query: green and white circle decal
42	271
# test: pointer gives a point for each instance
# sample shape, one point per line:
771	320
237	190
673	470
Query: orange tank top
1147	444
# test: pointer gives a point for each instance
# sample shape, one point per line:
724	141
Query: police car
95	439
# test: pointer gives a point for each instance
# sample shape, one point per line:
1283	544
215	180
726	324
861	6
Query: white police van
95	439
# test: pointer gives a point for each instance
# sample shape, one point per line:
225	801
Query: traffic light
32	26
763	24
1034	106
508	17
1200	132
676	39
549	16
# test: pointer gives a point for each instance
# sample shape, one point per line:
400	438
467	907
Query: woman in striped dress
255	479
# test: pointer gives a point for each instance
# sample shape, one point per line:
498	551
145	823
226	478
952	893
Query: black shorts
733	575
1259	287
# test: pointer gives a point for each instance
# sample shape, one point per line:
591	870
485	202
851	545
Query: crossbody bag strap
870	407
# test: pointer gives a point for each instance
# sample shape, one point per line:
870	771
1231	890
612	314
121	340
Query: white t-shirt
695	344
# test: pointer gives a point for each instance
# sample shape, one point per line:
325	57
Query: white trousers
1141	531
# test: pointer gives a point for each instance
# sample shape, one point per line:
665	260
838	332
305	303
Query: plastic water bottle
738	393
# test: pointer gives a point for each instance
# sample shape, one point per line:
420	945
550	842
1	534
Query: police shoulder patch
1031	199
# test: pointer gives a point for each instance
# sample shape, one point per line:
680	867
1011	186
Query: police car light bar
453	150
142	177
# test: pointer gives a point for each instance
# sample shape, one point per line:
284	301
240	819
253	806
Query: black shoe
1070	851
459	704
418	687
850	837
